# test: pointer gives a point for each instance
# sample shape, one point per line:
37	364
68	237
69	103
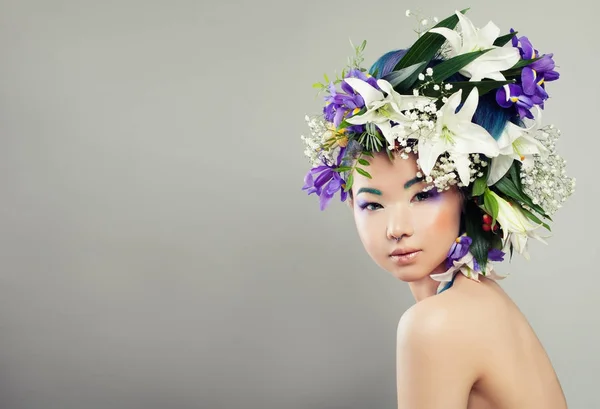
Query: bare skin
468	347
492	358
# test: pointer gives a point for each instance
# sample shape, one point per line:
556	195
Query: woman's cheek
438	216
368	228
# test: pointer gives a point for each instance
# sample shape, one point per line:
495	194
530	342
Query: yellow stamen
355	111
522	158
514	99
541	81
458	239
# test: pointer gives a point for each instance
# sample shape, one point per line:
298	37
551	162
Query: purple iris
516	96
495	255
325	182
459	249
338	104
537	73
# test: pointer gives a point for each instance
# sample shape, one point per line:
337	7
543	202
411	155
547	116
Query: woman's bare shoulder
451	313
455	321
435	348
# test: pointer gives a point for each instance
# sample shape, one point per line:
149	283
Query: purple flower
339	103
495	255
512	94
325	182
534	75
459	249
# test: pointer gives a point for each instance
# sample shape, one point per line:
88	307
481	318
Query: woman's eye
419	197
370	206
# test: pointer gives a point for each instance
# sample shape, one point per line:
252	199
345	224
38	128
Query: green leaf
503	40
326	78
482	86
524	63
343	168
364	173
506	186
349	183
363	162
534	218
516	69
497	241
399	79
318	85
428	45
366	153
481	240
479	186
454	64
515	174
491	205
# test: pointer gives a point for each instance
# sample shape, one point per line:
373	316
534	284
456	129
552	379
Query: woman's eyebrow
369	190
413	181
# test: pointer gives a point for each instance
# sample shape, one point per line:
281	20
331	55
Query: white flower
516	227
466	265
489	64
516	143
381	110
457	134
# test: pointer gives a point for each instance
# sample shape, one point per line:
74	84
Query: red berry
495	228
487	219
486	227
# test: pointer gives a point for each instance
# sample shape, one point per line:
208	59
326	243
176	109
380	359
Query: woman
446	168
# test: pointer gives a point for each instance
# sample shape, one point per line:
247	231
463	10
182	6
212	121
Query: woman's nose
399	225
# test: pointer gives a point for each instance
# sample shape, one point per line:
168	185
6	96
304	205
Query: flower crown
427	105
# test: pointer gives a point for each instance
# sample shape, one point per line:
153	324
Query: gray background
156	248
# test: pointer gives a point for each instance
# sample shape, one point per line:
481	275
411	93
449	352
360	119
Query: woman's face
392	204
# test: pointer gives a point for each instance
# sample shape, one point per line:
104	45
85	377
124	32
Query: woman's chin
408	274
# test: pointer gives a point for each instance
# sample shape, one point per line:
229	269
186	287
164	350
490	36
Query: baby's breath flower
547	183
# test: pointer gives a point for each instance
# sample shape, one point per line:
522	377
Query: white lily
466	265
516	143
457	134
472	39
383	109
516	227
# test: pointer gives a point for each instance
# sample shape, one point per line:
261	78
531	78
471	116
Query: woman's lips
406	258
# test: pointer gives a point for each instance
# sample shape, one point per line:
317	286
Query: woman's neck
423	288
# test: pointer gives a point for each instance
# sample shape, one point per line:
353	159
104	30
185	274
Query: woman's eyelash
421	196
367	204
